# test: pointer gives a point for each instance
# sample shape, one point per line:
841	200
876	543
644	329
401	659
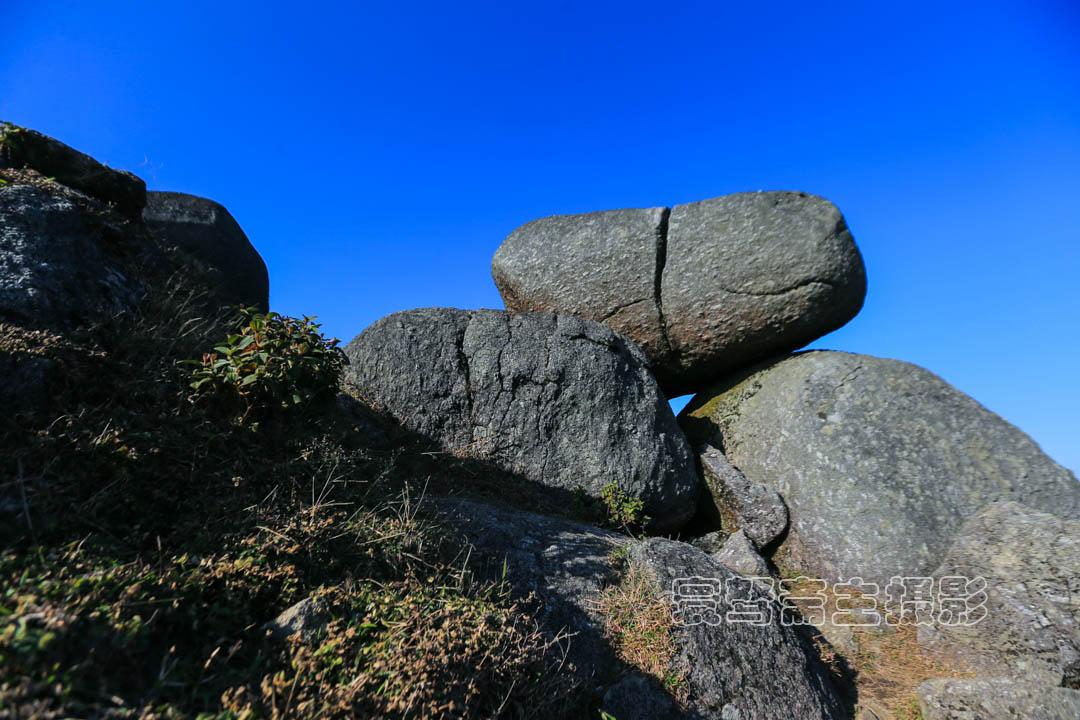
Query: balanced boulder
727	668
878	461
555	400
1022	618
22	148
704	288
205	230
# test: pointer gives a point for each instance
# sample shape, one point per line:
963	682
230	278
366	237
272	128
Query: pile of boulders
824	464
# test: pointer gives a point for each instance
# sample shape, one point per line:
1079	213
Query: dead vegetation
886	663
146	540
639	624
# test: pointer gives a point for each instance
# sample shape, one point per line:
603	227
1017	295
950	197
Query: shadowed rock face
1030	561
56	270
878	461
556	400
766	672
24	148
206	230
996	699
704	288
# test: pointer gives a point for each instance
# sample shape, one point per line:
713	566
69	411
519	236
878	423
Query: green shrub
623	510
271	362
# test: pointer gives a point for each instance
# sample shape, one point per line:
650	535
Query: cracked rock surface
703	288
878	461
555	400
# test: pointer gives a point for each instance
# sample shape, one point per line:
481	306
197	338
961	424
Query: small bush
271	362
624	511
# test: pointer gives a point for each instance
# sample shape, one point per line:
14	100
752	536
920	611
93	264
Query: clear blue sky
377	154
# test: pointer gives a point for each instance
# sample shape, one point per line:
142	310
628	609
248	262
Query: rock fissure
777	293
463	362
658	278
619	308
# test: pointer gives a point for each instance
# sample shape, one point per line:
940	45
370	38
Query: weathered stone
703	288
56	270
731	670
998	699
739	555
878	461
205	230
24	148
736	503
558	401
754	274
738	669
306	619
710	543
1030	562
601	266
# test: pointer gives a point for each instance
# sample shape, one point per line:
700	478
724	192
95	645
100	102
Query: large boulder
879	461
559	402
61	256
728	670
996	699
704	288
205	230
1026	622
22	148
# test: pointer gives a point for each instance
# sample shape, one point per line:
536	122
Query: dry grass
639	624
164	536
888	663
890	666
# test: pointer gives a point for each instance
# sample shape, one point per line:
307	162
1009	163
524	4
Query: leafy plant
623	510
272	362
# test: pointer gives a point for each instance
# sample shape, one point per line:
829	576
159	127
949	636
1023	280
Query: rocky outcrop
1028	617
205	230
878	461
996	700
558	401
738	504
22	148
761	671
704	288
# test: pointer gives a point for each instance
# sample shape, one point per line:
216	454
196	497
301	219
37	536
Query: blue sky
377	153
